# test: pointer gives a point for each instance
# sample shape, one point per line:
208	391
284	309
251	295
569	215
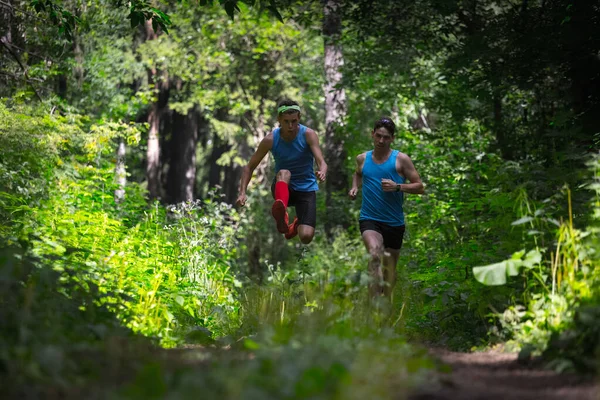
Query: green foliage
54	322
556	314
60	17
291	361
160	271
495	274
474	93
140	11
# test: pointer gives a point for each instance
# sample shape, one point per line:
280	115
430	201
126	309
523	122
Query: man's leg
282	196
392	241
390	274
306	217
306	233
374	244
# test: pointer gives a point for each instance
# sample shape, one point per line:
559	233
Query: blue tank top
378	205
297	157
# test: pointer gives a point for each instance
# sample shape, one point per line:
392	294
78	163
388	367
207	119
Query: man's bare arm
357	176
247	171
313	141
408	170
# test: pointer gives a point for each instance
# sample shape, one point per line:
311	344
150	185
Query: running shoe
281	216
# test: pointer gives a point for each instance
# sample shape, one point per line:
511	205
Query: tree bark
218	149
161	88
499	129
335	109
259	131
120	173
233	174
7	20
182	168
78	69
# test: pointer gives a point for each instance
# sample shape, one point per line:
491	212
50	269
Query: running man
383	173
295	149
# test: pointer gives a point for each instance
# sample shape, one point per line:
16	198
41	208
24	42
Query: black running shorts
392	235
305	204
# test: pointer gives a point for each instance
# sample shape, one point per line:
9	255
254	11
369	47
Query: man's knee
376	253
284	175
306	238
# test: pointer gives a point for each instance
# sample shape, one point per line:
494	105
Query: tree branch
20	77
29	52
8	5
16	57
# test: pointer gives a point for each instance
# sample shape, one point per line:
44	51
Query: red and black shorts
392	235
305	204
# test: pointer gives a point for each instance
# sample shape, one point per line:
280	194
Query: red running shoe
292	229
281	216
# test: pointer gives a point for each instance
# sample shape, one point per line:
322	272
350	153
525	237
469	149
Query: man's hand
322	174
241	200
388	185
352	193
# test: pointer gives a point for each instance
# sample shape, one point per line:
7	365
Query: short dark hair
387	123
288	102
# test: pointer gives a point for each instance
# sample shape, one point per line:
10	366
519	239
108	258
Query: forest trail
493	375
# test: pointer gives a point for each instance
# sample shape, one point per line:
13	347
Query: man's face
382	138
289	122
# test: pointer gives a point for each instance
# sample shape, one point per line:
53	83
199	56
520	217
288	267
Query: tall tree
160	81
182	165
120	172
335	106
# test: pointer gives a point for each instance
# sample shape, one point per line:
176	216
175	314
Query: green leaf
251	344
491	275
512	267
495	274
134	18
533	258
162	16
274	11
179	300
523	220
518	255
231	7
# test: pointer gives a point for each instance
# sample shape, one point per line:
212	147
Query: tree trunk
499	129
258	134
218	148
182	169
78	54
78	70
120	173
7	20
335	110
161	89
233	173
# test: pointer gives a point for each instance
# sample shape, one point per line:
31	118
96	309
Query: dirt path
494	375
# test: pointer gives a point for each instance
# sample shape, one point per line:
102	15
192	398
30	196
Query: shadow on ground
493	375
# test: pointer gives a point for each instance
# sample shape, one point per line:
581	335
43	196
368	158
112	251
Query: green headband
287	108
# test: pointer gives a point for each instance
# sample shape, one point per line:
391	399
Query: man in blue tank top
384	173
295	148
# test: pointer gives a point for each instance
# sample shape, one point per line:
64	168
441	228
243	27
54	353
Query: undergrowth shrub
167	271
557	313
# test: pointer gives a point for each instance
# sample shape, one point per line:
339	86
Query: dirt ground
494	375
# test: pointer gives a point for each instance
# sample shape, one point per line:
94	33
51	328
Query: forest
129	270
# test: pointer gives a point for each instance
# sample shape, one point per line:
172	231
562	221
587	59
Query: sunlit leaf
492	275
523	220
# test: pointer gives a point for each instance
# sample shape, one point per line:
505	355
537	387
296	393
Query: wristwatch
398	187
